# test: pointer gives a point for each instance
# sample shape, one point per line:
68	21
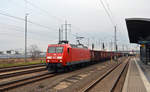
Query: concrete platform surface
136	81
145	69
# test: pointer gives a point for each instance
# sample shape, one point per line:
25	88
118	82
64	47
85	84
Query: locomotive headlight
47	60
49	57
59	57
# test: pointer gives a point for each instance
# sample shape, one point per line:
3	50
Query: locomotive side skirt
77	62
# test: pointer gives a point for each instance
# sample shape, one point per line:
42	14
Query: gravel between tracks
108	82
6	69
48	84
6	80
65	81
21	70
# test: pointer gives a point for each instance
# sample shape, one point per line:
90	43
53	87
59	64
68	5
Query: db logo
54	57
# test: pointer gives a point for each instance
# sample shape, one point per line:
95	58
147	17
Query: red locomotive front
65	55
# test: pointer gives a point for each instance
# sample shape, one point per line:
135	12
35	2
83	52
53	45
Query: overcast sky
87	17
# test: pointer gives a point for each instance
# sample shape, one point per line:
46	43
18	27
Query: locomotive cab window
59	49
55	49
68	50
51	50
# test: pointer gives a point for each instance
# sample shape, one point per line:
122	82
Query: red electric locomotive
64	55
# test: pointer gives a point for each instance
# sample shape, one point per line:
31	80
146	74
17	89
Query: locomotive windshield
55	49
51	50
59	49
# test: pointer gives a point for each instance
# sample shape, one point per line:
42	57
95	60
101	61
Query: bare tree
34	51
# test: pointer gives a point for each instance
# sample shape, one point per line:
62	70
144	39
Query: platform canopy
138	29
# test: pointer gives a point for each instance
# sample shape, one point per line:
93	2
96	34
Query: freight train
67	55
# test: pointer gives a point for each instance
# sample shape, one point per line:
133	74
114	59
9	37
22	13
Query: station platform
136	80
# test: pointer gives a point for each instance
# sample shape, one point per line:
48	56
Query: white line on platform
146	83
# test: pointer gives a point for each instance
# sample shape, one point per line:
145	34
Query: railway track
17	83
20	67
19	72
109	81
13	77
40	75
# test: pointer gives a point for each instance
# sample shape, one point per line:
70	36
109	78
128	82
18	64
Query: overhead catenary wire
43	10
107	12
19	30
46	12
27	9
37	24
22	19
108	7
20	27
119	32
38	36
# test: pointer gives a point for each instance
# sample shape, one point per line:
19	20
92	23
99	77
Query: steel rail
92	84
13	74
117	81
20	67
24	81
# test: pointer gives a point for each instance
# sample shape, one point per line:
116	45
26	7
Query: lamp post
26	20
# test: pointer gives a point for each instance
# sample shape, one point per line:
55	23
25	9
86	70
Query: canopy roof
138	29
